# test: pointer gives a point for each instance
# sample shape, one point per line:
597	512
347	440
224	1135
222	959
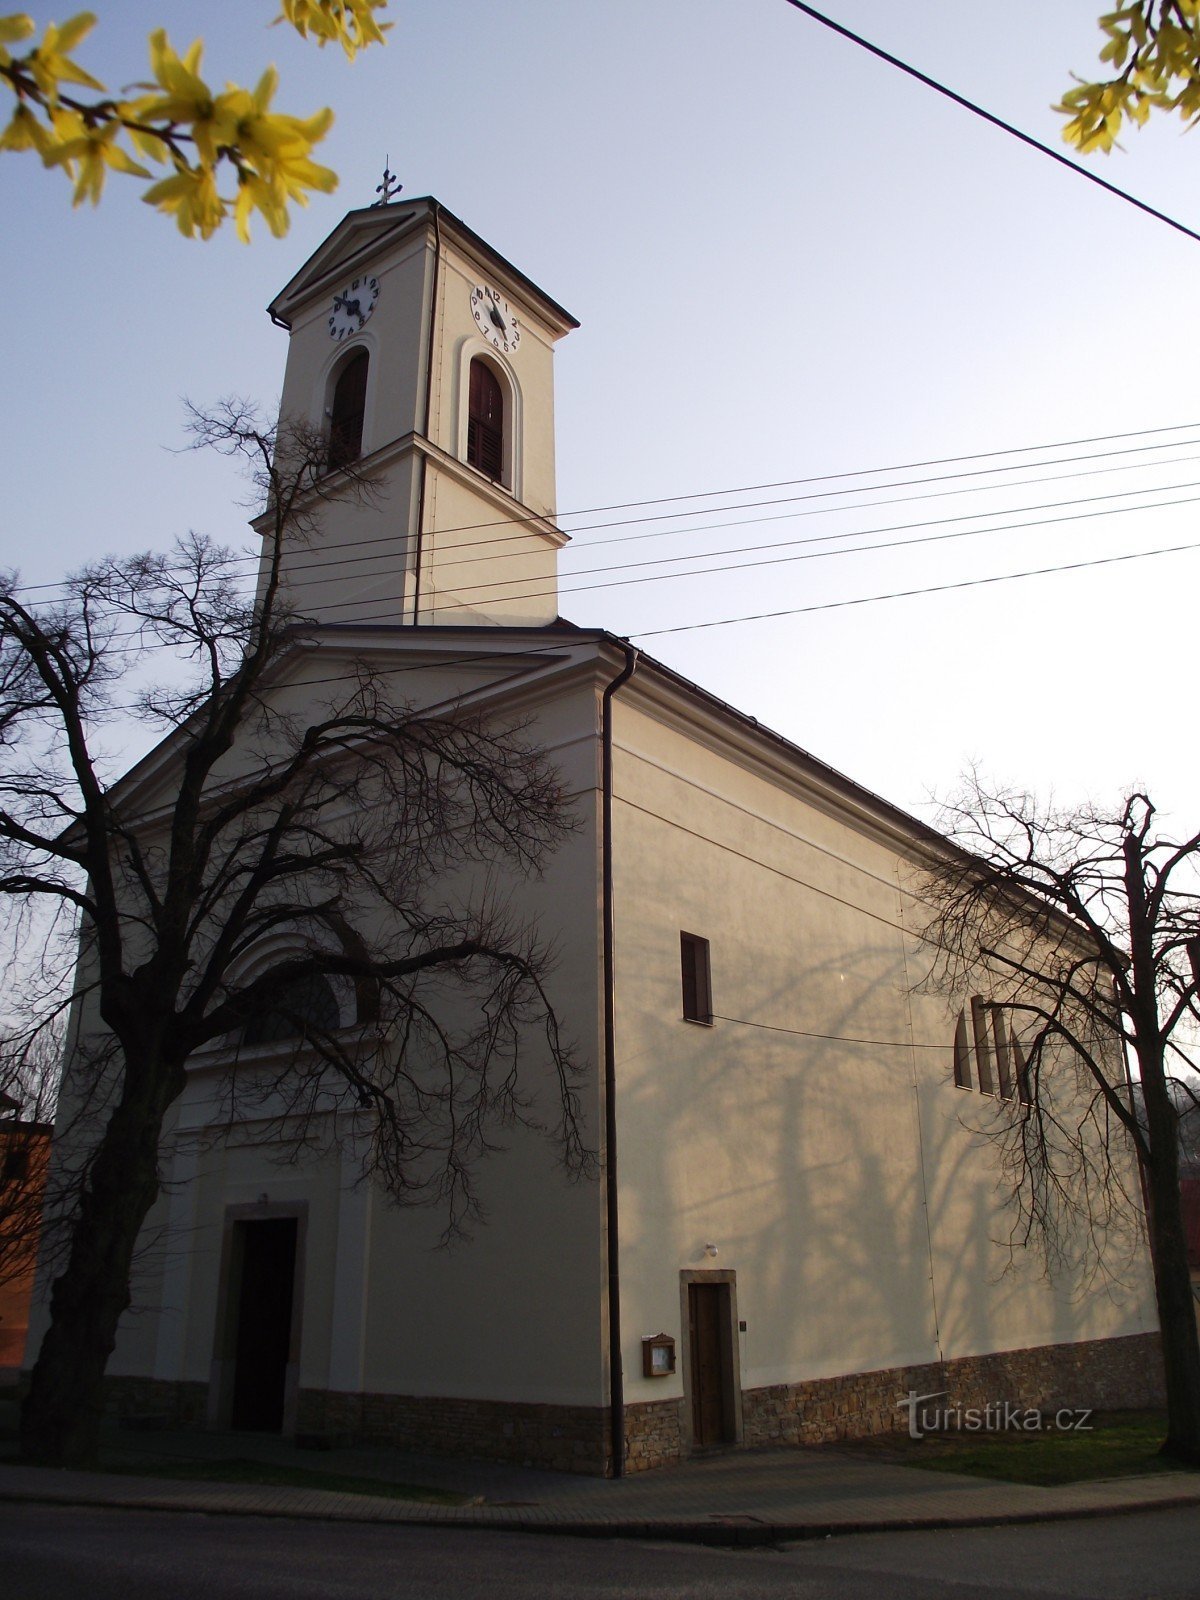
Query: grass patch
1118	1445
241	1470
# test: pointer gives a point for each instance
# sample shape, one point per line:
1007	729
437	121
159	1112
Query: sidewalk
747	1497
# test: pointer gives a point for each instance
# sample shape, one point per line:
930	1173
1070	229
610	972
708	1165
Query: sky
792	265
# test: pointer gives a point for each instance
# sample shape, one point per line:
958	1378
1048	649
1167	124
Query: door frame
219	1411
730	1357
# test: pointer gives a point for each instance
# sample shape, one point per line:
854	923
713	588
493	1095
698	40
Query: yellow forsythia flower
350	23
187	100
91	150
192	195
12	30
49	65
25	132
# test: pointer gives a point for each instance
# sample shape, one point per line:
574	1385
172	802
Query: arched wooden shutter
485	421
349	407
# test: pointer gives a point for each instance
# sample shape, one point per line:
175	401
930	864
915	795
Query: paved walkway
747	1497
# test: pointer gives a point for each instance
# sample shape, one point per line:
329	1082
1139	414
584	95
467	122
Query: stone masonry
1105	1374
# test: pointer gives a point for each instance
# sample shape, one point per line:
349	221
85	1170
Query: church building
794	1223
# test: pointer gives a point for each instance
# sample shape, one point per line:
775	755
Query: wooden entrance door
264	1324
711	1366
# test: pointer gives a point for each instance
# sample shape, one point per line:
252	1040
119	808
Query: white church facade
794	1223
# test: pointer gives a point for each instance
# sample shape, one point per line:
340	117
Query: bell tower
425	361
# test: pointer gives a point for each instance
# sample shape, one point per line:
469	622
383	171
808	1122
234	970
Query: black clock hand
496	317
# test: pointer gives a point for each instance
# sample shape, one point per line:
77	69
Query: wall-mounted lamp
710	1250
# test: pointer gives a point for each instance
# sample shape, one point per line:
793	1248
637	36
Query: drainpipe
616	1384
433	311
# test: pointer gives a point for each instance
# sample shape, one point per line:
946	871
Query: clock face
495	319
352	307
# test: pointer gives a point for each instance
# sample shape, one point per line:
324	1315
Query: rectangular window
697	989
983	1045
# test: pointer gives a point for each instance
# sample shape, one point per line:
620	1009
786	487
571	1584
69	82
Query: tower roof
363	233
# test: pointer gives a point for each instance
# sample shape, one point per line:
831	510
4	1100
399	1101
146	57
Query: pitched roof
366	232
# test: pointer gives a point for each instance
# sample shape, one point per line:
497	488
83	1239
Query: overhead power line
907	594
988	116
834	1038
791	611
121	635
318	569
341	559
545	590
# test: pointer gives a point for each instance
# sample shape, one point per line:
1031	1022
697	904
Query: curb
743	1530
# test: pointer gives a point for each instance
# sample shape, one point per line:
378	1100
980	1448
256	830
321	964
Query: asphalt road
60	1553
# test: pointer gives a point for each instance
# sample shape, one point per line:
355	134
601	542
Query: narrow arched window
299	1005
347	412
1021	1071
962	1054
1004	1059
485	420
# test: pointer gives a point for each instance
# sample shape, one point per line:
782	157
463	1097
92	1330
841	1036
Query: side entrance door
710	1339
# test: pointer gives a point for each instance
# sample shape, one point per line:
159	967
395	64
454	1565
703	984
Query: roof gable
362	235
445	668
357	235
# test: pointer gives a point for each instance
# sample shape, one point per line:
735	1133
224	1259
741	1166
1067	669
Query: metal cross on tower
389	187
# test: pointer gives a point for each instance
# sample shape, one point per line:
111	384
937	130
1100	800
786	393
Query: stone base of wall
1104	1374
653	1434
151	1402
563	1438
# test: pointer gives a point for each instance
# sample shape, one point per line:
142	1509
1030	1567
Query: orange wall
20	1203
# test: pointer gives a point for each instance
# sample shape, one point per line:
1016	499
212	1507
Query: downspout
616	1383
433	311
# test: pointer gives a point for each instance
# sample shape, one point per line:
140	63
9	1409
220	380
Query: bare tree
263	862
1079	924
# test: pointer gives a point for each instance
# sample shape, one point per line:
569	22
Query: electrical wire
509	523
297	582
744	522
836	1038
555	588
858	549
906	594
792	611
988	116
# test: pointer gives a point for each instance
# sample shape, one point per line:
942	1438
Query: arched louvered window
1021	1071
485	421
347	412
1004	1057
302	1004
962	1054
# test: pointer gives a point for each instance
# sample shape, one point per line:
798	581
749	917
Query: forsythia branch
1153	50
175	133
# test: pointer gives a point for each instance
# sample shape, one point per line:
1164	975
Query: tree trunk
1176	1318
1168	1247
60	1419
1172	1278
